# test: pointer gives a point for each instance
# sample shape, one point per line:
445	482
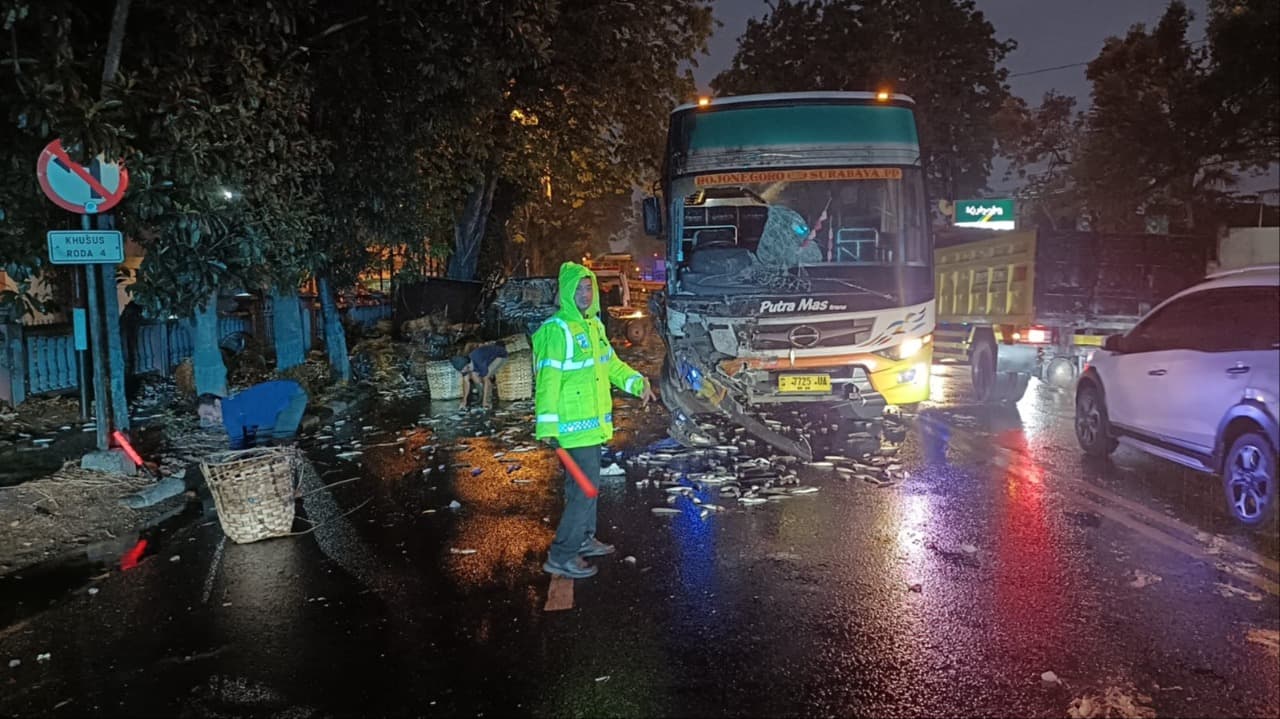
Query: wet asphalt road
1124	576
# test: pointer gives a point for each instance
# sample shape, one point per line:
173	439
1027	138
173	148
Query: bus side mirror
652	212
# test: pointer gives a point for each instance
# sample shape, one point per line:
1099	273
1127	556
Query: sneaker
595	548
573	569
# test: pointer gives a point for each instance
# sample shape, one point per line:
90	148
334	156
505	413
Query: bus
799	255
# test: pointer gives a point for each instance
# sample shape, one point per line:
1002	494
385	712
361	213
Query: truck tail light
1038	336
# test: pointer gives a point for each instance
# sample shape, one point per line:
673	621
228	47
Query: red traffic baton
575	471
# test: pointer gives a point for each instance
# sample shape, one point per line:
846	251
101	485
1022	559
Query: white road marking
213	570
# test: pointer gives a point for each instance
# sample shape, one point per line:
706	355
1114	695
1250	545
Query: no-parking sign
77	188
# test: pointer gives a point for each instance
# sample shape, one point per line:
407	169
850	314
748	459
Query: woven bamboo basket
515	377
516	343
443	381
253	490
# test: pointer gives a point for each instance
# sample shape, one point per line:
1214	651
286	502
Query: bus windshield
815	218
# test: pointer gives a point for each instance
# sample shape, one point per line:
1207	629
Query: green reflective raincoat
575	366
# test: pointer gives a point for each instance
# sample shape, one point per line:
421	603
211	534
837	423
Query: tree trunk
287	324
115	41
469	231
206	356
335	340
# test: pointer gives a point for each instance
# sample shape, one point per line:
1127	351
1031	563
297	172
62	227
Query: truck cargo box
1061	278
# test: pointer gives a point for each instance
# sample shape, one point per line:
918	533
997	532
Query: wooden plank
559	595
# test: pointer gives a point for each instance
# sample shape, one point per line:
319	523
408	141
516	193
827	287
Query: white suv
1197	382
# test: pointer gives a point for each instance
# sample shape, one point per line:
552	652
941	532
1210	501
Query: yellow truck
1018	304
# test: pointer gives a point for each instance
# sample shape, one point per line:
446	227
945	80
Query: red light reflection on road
130	559
1030	583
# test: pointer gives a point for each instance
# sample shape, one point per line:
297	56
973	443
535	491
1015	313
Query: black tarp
460	299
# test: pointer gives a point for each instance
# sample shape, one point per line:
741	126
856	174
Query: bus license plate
806	383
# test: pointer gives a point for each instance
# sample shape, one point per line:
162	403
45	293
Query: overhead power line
1048	69
1068	66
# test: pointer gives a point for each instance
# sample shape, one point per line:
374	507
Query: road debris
602	680
455	550
665	510
1144	579
44	657
1269	638
15	663
629	560
455	505
1229	591
1049	679
1114	703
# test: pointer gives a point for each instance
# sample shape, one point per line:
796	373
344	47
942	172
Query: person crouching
481	366
269	412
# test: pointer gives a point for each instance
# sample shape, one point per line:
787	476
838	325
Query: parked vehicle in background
1197	382
622	301
798	256
1020	304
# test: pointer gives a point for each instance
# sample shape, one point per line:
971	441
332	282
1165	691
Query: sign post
88	190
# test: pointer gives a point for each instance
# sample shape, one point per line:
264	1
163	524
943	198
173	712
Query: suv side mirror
652	212
1114	343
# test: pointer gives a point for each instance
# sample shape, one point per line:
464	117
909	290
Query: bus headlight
911	347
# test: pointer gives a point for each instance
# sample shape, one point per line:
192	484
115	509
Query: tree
223	159
1041	145
1244	44
588	120
944	53
1161	132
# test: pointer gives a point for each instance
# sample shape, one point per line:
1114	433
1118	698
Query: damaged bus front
799	259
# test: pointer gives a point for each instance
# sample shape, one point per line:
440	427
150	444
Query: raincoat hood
571	274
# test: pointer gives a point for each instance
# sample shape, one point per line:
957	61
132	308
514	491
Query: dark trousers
578	523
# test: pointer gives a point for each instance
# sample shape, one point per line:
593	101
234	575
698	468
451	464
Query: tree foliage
1244	45
48	89
588	120
1172	125
209	113
272	140
1161	132
944	53
401	88
1041	144
223	161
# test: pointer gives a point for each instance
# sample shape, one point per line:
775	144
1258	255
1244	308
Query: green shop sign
987	214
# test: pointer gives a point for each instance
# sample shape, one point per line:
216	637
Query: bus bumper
905	381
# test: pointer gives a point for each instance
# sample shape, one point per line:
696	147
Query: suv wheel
1249	480
1093	429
